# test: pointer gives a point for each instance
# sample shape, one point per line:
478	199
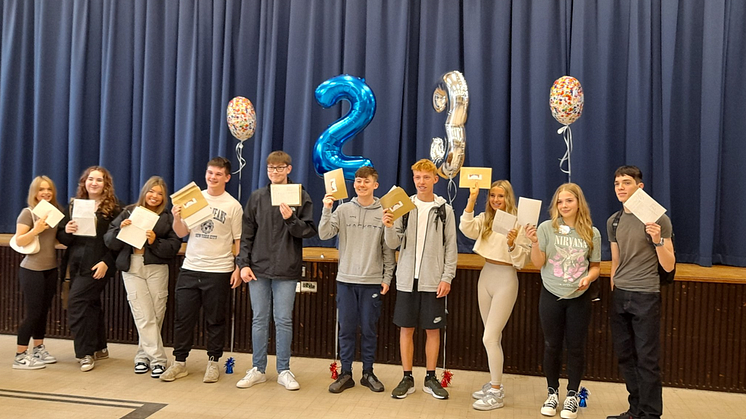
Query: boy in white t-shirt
427	264
208	273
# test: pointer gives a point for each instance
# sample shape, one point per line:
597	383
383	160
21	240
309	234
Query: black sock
430	374
20	353
407	373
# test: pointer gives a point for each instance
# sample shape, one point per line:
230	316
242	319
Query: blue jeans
358	304
277	295
635	321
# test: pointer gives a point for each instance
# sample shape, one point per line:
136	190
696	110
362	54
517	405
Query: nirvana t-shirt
567	258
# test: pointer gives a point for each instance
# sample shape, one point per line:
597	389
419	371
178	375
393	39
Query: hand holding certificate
334	181
84	215
528	211
397	201
194	206
645	208
54	215
469	176
503	222
286	193
134	234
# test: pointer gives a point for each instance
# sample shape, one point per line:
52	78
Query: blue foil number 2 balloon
327	152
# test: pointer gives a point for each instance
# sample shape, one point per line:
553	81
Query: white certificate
54	215
503	222
143	220
84	214
645	208
528	211
285	193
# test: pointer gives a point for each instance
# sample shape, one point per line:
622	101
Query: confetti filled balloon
566	100
241	118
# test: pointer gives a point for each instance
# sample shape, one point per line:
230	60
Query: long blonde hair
583	222
154	181
510	207
33	190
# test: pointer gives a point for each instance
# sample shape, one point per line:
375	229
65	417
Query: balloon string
241	165
452	191
567	136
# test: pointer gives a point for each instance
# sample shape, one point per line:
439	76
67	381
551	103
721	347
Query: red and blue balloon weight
327	152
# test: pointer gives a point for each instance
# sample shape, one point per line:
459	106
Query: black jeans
567	320
635	327
38	288
208	290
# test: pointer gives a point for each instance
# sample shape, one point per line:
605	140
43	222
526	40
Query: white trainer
287	379
253	376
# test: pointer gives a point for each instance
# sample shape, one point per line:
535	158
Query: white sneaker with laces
41	353
24	361
175	371
493	399
550	405
570	407
87	363
287	379
212	372
253	376
482	391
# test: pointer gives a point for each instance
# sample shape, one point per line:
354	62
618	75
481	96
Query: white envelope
528	211
54	215
84	214
503	222
143	220
645	208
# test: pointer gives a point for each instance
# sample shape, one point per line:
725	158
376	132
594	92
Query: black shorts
418	308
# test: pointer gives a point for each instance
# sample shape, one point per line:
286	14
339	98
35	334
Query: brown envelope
334	181
397	201
469	175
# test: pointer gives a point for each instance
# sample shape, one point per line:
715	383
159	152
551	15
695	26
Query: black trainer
432	386
371	381
624	415
404	389
342	383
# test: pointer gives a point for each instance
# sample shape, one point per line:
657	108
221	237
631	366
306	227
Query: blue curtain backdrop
141	88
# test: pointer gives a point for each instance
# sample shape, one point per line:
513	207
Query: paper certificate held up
503	222
397	201
528	211
194	206
334	181
482	176
134	234
54	215
645	208
287	193
84	215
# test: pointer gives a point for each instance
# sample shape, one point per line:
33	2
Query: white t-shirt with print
210	245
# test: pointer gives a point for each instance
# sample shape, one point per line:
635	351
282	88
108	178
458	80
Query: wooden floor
112	390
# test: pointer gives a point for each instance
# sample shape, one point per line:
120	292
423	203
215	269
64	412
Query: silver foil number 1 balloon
452	93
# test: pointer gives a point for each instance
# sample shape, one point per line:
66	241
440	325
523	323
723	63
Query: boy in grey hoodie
365	270
427	265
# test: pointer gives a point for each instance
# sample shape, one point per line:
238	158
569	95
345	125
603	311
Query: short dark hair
280	157
632	171
220	162
366	171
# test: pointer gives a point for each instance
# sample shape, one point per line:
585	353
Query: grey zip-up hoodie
439	257
364	258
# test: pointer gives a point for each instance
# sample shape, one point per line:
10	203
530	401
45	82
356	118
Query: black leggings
38	288
567	320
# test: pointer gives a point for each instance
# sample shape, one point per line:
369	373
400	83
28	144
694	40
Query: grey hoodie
364	258
439	257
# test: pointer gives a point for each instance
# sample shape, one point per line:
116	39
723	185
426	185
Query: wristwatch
659	244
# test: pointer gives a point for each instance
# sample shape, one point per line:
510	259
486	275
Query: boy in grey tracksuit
366	267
